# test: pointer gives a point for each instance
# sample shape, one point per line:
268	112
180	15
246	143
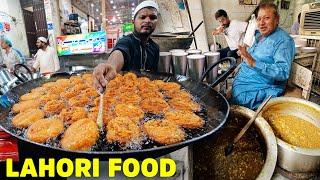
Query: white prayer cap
145	4
43	39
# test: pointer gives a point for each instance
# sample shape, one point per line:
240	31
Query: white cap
43	39
145	4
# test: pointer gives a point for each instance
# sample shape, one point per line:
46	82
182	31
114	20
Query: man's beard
143	34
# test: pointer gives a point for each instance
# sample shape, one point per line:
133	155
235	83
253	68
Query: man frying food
135	51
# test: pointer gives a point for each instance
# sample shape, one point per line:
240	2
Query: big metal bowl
168	43
293	158
267	138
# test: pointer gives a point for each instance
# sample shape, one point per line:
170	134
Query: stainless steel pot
5	76
268	137
293	158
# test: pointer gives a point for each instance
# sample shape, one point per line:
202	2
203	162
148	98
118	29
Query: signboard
90	43
127	27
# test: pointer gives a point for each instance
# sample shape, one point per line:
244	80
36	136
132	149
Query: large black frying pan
215	104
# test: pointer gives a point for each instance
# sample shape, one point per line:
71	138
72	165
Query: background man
232	30
267	63
46	58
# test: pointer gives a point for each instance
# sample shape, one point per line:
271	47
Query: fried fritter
45	129
25	105
79	101
81	135
90	92
107	115
48	97
56	90
170	86
178	94
150	94
163	131
128	110
122	130
71	115
65	83
30	96
69	94
87	76
76	80
129	98
49	85
41	90
27	118
130	77
80	87
184	105
154	105
185	119
54	107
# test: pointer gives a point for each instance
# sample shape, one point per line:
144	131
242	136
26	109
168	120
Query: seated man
232	30
267	63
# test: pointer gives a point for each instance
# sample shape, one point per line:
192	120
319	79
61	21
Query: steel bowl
268	137
202	152
293	158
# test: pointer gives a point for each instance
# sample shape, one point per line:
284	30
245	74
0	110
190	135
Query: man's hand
102	73
218	30
242	51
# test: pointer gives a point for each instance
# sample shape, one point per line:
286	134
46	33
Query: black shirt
136	55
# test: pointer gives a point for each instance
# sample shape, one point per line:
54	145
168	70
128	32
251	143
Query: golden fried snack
41	90
87	76
48	97
56	90
69	94
27	118
71	115
80	87
122	130
158	83
145	84
76	80
129	98
49	85
184	105
116	82
130	77
93	115
108	102
185	119
150	94
54	107
63	83
30	96
169	86
128	110
25	105
45	129
90	92
154	105
79	101
178	94
163	131
81	135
